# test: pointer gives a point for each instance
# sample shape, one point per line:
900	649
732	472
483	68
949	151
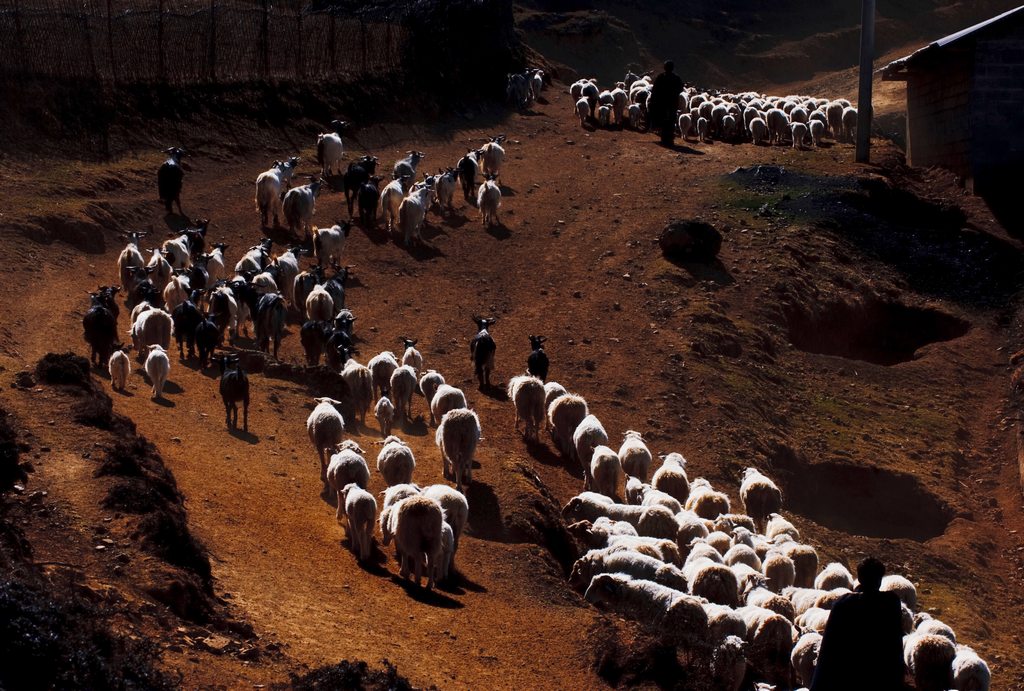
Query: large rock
694	240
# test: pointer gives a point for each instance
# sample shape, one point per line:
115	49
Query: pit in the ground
862	500
872	330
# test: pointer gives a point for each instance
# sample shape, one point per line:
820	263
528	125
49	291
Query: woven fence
182	42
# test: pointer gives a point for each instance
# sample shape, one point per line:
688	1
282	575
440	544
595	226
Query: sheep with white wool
729	663
583	111
457	437
329	243
689	526
360	509
488	200
411	357
319	304
493	156
935	627
720	541
161	272
713	581
902	587
699	549
347	465
929	660
176	292
396	462
665	609
412	213
392	495
129	258
456	511
527	395
759	596
748	580
391	200
599	535
429	383
119	366
829	598
270	187
723	621
970	672
802	598
416	525
703	129
587	436
817	130
760	496
151	327
384	411
770	637
444	562
158	368
382	366
804	657
648	496
552	390
814	619
798	131
634	113
834	575
779	570
805	562
359	380
671	477
634	456
849	123
777	525
625	561
403	385
605	471
742	554
565	413
705	501
325	427
446	398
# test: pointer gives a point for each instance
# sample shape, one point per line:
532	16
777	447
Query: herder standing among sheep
661	109
863	643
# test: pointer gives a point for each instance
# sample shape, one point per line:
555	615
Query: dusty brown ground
698	358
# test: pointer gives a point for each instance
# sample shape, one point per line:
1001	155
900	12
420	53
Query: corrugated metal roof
896	66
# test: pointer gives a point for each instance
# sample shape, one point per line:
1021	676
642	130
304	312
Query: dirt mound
350	676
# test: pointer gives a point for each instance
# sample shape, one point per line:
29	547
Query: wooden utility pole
867	59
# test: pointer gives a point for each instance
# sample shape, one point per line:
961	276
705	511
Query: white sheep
329	243
634	456
970	672
814	619
770	636
527	395
488	200
802	598
161	272
833	576
604	116
384	411
429	384
689	526
625	561
319	304
929	659
713	581
798	131
805	562
633	112
325	427
605	471
416	525
444	561
392	495
130	258
665	609
671	477
902	587
120	366
412	357
760	596
347	465
359	380
493	157
817	130
804	657
588	435
329	152
742	554
937	628
849	123
583	111
758	130
456	512
412	213
403	385
299	206
446	398
176	292
457	437
396	462
705	501
360	508
829	598
382	366
151	327
685	123
391	200
723	621
270	186
760	496
158	367
779	570
565	413
777	525
729	663
703	129
648	496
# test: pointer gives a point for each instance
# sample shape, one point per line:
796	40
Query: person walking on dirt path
862	647
661	110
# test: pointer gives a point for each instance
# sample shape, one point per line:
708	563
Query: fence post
213	41
362	31
87	35
110	42
333	42
298	53
161	75
265	39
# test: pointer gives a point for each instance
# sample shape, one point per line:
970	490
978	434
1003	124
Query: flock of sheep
747	116
673	555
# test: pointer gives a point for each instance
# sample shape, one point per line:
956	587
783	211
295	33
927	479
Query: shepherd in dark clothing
863	643
664	102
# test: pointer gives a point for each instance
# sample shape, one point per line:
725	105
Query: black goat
234	387
358	174
100	327
314	336
481	351
369	200
269	318
169	179
537	362
208	337
186	318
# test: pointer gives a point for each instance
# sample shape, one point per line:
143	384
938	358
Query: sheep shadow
496	392
422	251
456	220
485	517
172	387
375	565
415	428
542	453
164	402
239	433
375	234
424	596
683	149
499	231
176	222
429	231
507	190
465	582
123	392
